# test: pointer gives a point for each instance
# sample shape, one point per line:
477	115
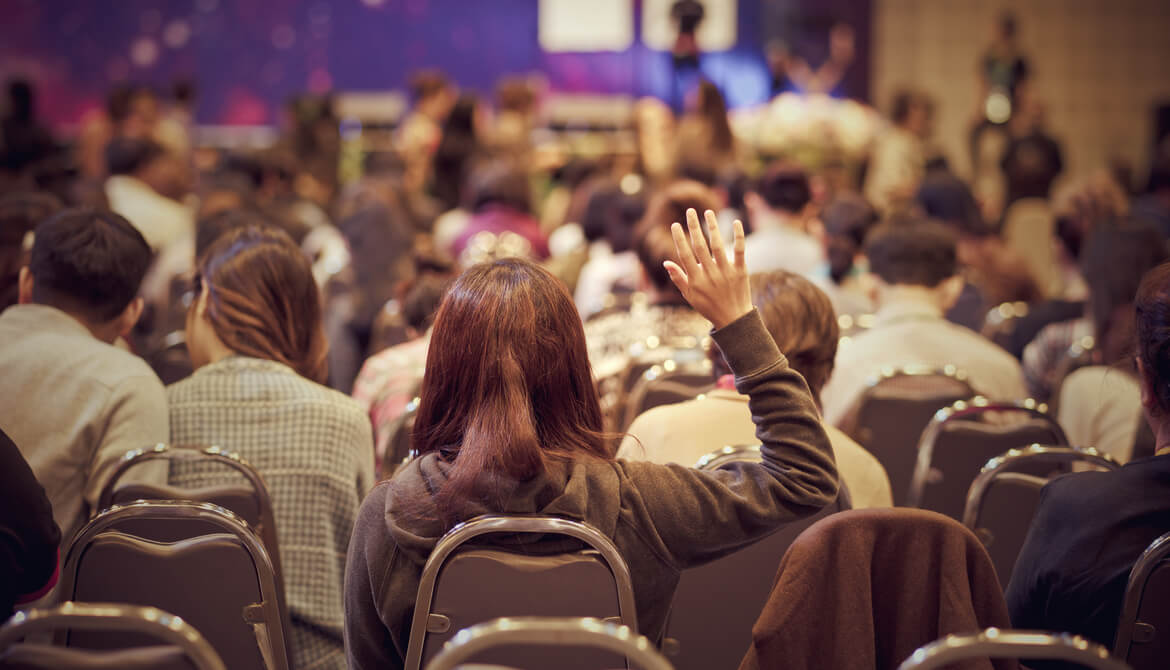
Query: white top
685	432
782	247
161	221
912	332
1101	407
897	164
601	273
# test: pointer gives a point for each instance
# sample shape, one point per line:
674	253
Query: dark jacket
1089	530
28	534
662	518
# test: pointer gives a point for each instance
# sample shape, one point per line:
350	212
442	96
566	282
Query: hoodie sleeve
690	516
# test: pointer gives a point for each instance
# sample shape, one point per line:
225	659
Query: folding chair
579	573
177	645
666	383
960	439
221	582
546	632
891	414
999	325
1022	644
398	450
1004	496
715	605
1143	631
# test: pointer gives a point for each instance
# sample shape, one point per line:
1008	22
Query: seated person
28	534
19	215
668	317
510	423
1091	527
801	320
258	348
501	202
916	267
846	220
779	208
608	223
75	403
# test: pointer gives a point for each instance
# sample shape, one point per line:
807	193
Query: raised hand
717	287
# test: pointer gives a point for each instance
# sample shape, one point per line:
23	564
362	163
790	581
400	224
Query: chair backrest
464	584
891	414
1004	496
549	632
177	643
222	583
715	605
248	500
398	448
666	383
1021	644
169	357
999	325
1143	631
959	440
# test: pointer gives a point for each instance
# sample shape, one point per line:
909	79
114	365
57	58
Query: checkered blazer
314	448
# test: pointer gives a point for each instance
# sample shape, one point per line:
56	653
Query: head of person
784	190
133	111
421	299
1115	258
89	264
255	296
847	219
432	93
19	215
508	387
947	199
1006	28
912	111
214	226
711	106
652	238
21	105
801	319
134	157
912	255
612	209
500	184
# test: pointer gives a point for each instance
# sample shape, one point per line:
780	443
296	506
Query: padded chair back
1004	496
994	643
1143	632
715	605
666	383
892	413
221	583
962	438
573	571
176	644
544	632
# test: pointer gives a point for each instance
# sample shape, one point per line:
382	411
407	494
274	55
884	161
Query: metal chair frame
1129	628
965	410
660	373
114	617
570	632
729	454
463	533
1022	644
271	639
886	374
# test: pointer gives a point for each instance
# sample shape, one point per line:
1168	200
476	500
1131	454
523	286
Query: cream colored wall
1099	65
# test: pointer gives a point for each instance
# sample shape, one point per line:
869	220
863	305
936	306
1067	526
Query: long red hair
508	383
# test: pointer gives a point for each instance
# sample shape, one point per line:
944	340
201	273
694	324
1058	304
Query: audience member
131	112
501	202
259	351
457	151
846	220
510	423
23	141
1091	527
703	138
420	132
916	266
138	170
77	403
898	160
667	318
19	215
30	537
801	320
611	213
779	209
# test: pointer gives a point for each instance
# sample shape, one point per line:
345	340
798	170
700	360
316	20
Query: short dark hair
948	200
847	219
785	188
88	261
913	252
653	241
500	183
127	156
211	228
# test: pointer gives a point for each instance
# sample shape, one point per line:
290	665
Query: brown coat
864	589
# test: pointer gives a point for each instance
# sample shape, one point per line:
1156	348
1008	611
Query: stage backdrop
250	55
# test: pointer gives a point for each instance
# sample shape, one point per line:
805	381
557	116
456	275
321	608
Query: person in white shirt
916	273
139	172
800	318
898	160
779	208
608	223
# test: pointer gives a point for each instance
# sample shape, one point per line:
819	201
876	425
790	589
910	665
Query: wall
1099	65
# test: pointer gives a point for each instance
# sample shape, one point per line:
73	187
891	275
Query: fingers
737	243
683	248
717	249
678	276
698	241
